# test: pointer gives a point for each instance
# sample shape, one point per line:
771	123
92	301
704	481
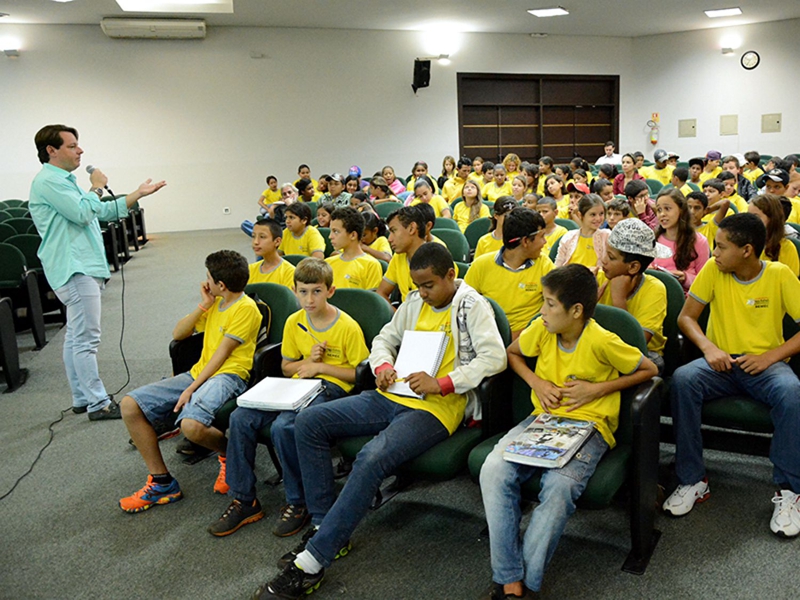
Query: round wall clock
750	60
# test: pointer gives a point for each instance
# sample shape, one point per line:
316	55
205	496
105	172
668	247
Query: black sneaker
495	592
108	413
292	520
236	516
79	410
291	584
290	556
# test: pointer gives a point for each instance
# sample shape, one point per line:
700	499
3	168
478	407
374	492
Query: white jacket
480	351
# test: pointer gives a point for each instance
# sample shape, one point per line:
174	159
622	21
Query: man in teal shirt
73	257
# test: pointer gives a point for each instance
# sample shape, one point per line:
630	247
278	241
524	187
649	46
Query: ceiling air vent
154	29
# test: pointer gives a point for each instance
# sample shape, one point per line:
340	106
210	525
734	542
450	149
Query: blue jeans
242	441
81	296
402	434
501	481
777	387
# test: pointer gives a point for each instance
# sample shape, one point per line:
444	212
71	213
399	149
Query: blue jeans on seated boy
501	482
243	431
777	387
402	434
157	400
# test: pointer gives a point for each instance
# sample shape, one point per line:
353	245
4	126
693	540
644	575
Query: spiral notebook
281	393
419	351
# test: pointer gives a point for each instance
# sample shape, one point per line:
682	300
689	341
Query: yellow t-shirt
437	202
452	189
663	175
239	321
788	256
585	253
648	305
488	244
686	190
756	307
314	183
413	180
551	238
476	178
461	214
345	343
753	175
598	355
271	196
363	272
448	409
737	201
704	176
381	244
519	293
709	230
492	191
283	274
399	274
310	241
563	208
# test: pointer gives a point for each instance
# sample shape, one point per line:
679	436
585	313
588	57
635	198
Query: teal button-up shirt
67	220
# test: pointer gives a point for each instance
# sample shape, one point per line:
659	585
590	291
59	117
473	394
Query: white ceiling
618	18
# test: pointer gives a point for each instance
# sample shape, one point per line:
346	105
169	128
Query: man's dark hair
406	216
432	255
714	183
609	143
464	162
792	158
488	166
634	188
731	158
428	213
638	155
599	184
726	175
50	135
351	219
519	224
300	210
275	228
782	163
700	197
573	284
302	184
608	170
619	205
753	157
682	173
745	228
230	268
270	178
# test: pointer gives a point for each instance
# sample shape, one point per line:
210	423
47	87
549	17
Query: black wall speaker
422	74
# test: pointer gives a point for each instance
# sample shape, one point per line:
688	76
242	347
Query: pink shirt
703	253
397	187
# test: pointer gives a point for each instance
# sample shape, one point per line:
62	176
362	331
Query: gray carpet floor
63	535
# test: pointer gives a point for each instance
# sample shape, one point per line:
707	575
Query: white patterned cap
632	236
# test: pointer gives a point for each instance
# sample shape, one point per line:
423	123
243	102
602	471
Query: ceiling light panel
723	12
177	6
556	11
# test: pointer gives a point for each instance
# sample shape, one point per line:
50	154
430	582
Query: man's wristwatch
98	191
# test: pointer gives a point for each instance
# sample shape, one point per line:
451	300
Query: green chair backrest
455	242
28	244
796	243
476	230
4	216
456	201
6	231
326	235
794	226
384	265
282	303
19	224
385	208
694	186
502	322
654	186
313	206
370	310
554	250
461	269
13	202
568	224
32	229
446	223
12	266
18	211
675	300
294	258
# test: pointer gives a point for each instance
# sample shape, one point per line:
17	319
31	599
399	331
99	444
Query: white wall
213	122
685	76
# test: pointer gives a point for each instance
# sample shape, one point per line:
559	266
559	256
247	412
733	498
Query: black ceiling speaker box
422	74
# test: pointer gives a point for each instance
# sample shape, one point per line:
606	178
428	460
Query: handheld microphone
91	169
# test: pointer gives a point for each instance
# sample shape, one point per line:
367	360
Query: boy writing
300	238
580	372
512	276
404	427
743	353
623	283
329	348
267	236
352	267
406	235
231	322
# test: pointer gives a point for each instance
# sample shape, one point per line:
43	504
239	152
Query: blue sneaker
151	494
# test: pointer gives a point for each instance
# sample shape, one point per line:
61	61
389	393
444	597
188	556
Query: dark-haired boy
660	171
548	208
711	168
272	268
623	283
403	427
231	321
300	237
728	179
638	195
748	358
512	276
616	211
580	372
752	169
604	188
406	235
679	180
352	267
336	194
697	202
329	348
695	169
743	185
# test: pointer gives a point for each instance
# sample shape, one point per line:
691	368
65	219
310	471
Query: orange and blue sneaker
152	493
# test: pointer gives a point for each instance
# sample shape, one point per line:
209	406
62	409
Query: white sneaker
684	497
786	514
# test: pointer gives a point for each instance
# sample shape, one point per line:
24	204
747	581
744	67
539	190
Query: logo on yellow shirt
333	353
528	286
758	302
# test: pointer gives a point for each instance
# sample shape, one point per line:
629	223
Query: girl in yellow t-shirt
448	171
555	188
471	208
767	207
518	186
420	170
423	192
585	246
531	173
493	241
511	163
374	241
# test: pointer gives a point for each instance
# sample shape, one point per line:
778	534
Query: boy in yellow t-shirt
744	353
728	179
704	223
319	342
580	372
406	234
547	207
512	277
623	283
711	167
660	171
300	237
751	169
267	235
352	267
452	187
404	426
231	321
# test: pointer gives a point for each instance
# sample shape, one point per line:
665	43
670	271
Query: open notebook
419	351
281	393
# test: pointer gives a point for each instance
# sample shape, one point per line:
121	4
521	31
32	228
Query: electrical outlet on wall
226	210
